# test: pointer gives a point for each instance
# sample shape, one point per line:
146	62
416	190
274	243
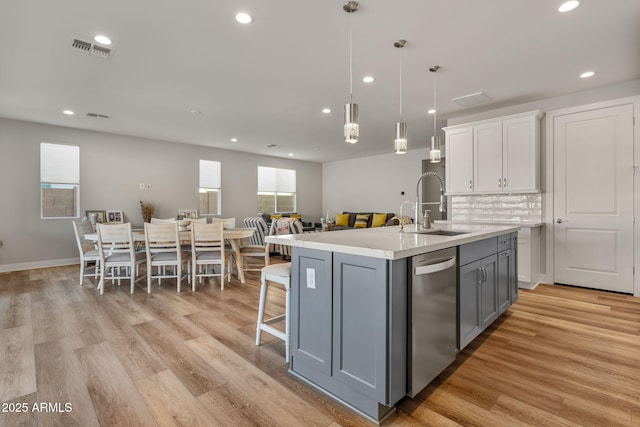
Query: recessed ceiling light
244	18
290	154
431	111
326	110
234	139
68	112
102	39
368	79
587	74
568	6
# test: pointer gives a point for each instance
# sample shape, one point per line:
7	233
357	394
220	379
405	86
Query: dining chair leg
82	266
179	276
149	271
193	274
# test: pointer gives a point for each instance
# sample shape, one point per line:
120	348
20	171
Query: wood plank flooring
560	356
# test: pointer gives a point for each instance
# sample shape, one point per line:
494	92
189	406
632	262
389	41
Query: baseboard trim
5	268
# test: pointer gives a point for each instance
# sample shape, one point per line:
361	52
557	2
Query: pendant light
400	141
435	154
351	128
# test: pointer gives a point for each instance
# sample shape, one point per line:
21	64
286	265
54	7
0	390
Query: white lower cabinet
529	257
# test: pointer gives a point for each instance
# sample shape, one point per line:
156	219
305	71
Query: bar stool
277	273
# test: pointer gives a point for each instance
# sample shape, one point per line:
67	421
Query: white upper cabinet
459	152
500	155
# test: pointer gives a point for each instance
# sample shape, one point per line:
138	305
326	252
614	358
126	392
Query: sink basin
435	232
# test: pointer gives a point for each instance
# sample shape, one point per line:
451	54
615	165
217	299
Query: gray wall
111	170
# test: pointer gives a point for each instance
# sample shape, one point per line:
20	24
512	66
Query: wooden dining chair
163	249
208	249
255	253
162	220
285	226
117	252
89	253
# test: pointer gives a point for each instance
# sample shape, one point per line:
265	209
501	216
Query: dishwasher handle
434	268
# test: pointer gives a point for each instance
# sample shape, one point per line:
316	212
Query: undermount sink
435	232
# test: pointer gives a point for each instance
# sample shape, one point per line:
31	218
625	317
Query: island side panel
397	291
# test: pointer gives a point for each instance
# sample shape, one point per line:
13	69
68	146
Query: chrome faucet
441	204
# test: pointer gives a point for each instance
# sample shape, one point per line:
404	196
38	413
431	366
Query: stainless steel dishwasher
432	317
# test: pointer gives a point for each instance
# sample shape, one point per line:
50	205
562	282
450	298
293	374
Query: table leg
235	245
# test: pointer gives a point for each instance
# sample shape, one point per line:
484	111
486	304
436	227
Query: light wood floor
560	356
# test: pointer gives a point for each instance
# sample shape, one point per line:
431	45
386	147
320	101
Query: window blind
59	164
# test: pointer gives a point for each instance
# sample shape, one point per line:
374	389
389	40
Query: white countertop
388	242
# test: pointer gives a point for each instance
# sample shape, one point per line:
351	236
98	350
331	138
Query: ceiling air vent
271	145
471	99
81	45
98	116
91	49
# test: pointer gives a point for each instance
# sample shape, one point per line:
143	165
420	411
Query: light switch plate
311	278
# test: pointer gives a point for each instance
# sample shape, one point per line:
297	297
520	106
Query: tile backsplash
497	207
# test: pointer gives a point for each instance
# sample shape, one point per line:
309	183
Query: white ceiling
266	83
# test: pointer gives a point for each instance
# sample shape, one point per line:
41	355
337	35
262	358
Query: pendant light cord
435	109
350	60
400	84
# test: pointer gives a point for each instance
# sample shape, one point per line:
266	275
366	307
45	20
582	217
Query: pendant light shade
435	154
400	141
351	127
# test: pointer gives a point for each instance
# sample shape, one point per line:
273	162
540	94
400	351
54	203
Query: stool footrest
273	331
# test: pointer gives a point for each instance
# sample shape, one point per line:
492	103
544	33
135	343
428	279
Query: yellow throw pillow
274	216
296	216
361	221
342	220
378	220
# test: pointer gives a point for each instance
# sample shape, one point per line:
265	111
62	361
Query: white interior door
593	198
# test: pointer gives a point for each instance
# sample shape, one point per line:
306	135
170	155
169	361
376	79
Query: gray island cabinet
349	327
350	301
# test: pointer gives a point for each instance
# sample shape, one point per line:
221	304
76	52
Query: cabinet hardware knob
470	184
504	182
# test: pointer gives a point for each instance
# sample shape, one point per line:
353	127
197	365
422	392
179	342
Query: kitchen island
351	321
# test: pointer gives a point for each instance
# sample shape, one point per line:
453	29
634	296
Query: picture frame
187	213
101	215
115	216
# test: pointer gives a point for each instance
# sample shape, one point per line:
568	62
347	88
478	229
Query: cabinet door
311	293
459	155
505	265
489	291
359	323
520	153
469	277
487	157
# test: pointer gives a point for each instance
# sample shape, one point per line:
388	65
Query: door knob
560	220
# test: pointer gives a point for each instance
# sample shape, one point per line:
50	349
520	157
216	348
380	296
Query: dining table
232	235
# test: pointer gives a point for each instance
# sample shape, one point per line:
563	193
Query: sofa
355	220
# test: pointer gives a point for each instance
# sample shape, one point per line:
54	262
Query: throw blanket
283	225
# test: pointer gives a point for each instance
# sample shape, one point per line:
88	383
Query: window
276	190
210	187
59	180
